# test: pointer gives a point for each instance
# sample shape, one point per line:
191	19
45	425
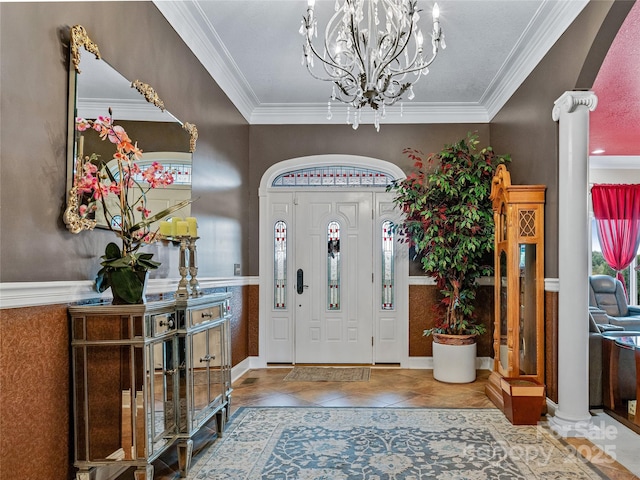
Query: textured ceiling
615	123
252	48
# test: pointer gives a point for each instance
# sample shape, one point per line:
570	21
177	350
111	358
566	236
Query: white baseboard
416	363
426	363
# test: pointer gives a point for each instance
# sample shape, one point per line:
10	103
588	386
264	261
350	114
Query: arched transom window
333	176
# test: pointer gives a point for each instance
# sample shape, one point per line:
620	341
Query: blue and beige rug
300	443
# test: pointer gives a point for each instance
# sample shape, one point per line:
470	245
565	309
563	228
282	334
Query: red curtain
617	212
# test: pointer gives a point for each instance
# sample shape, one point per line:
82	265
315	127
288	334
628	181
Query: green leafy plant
449	222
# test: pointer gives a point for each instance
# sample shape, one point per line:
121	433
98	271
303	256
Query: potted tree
449	222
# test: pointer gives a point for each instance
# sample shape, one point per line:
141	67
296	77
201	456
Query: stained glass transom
181	173
388	237
336	176
280	265
333	266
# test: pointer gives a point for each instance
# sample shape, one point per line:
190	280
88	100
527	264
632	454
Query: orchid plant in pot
449	222
118	187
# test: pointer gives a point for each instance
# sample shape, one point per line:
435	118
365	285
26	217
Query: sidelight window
333	266
388	237
280	265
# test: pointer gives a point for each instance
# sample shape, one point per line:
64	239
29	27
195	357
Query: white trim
617	162
192	25
412	112
547	26
240	369
327	160
423	280
32	294
426	363
551	284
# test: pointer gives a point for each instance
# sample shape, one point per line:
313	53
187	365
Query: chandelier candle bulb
193	226
368	66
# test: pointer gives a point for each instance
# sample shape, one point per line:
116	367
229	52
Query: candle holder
193	268
182	291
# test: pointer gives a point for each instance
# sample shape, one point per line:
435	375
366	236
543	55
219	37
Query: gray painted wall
135	38
231	156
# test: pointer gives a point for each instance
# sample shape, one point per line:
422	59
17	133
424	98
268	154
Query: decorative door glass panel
280	265
388	238
333	266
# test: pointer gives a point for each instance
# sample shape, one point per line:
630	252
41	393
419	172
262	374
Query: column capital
569	101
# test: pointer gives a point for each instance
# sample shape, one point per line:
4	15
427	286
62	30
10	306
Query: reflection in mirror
502	275
95	87
528	316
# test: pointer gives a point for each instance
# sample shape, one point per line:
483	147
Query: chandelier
373	53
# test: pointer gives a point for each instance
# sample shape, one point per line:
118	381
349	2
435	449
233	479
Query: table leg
185	451
143	473
610	393
636	418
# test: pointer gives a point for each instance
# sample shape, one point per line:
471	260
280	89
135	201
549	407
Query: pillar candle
174	226
182	228
165	228
193	226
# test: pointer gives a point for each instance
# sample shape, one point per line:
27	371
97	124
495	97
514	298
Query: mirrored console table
147	377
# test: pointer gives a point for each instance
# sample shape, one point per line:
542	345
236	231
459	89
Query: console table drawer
162	324
208	314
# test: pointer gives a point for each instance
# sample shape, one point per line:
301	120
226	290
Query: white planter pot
454	363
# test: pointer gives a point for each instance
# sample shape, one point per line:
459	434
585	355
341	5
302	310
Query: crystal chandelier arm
393	51
311	50
370	46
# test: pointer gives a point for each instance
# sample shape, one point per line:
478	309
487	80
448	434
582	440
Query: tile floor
395	387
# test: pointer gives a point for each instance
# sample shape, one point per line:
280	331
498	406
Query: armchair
627	366
607	294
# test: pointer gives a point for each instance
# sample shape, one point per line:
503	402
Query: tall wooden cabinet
146	377
518	339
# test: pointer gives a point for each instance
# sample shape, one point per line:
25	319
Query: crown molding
191	24
608	162
124	110
189	21
32	294
544	30
412	112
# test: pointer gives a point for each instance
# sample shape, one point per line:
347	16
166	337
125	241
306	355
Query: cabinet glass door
528	316
199	376
504	349
207	382
216	377
161	384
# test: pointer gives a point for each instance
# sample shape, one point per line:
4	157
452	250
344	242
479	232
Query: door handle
300	286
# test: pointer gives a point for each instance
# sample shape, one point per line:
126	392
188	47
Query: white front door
333	296
355	306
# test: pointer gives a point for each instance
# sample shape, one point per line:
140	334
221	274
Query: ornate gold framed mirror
95	89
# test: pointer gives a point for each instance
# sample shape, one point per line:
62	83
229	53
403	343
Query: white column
572	416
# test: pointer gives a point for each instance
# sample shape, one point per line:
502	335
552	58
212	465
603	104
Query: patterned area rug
386	444
328	374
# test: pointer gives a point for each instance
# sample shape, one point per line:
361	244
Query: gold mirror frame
79	39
